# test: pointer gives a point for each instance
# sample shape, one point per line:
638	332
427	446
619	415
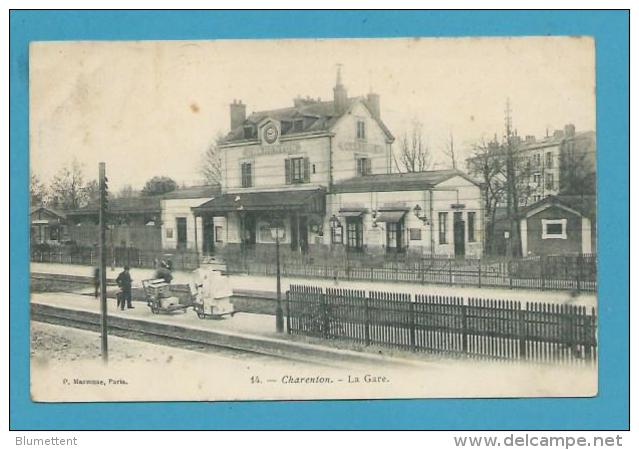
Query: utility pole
511	187
451	151
103	260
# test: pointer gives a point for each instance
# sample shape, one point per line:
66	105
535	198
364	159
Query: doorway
395	236
250	230
354	234
180	225
208	237
459	229
299	233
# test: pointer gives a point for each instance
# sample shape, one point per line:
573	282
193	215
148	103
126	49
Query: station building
323	170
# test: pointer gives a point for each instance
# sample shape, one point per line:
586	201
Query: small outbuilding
48	226
553	226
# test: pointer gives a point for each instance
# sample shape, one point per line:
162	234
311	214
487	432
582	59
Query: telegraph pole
511	191
103	261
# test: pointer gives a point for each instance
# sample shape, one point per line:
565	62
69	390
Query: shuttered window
297	170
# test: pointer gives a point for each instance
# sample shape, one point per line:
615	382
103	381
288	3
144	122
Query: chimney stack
372	100
569	130
238	113
530	139
340	97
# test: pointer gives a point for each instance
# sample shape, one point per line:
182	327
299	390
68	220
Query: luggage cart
158	297
213	295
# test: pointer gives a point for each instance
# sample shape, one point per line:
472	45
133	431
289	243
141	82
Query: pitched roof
555	140
317	116
398	181
203	191
553	200
261	201
150	204
48	209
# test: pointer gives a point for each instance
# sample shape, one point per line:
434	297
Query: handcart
160	299
212	293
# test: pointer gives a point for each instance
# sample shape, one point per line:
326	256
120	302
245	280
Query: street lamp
277	232
417	210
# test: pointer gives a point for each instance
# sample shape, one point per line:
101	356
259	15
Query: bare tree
487	164
506	171
92	191
37	190
414	154
518	180
450	152
67	190
577	167
211	164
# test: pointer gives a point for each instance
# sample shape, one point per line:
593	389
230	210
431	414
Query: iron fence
116	257
576	273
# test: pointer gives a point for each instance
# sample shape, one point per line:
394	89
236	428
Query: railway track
152	337
204	341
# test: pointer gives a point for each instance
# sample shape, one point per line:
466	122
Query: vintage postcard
313	219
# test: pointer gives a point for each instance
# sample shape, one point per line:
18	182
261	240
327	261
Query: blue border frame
609	410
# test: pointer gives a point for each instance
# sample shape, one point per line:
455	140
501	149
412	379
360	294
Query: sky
150	108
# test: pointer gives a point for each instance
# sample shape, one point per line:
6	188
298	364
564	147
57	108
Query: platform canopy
294	200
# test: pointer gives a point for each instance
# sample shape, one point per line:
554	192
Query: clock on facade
270	133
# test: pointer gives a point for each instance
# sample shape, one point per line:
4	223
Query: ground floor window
553	229
471	227
354	234
443	228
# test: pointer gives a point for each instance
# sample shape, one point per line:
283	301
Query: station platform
267	284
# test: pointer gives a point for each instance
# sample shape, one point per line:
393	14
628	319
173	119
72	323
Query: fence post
510	273
411	309
421	270
522	331
450	272
288	313
464	320
325	320
541	270
367	322
580	260
479	272
590	335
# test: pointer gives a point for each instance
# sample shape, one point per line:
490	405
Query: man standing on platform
124	283
96	281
